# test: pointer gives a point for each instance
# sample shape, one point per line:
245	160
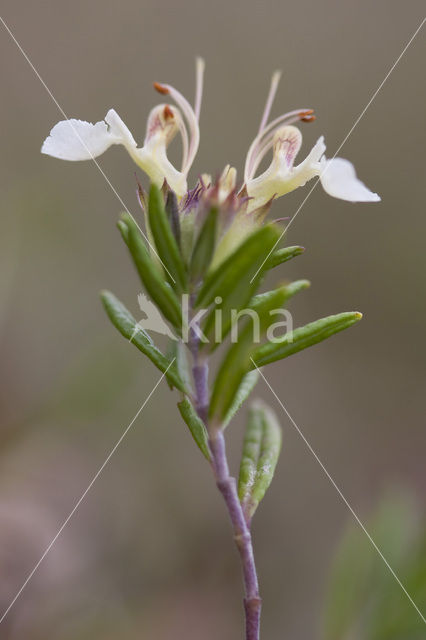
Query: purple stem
242	536
228	488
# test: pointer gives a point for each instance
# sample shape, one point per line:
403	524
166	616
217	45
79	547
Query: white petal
163	124
286	145
118	130
315	153
339	180
79	140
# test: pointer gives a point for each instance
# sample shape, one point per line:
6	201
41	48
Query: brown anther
161	88
307	112
308	118
168	113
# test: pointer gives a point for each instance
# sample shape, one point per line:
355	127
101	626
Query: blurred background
149	553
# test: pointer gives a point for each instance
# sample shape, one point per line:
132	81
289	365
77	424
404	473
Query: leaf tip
104	294
304	284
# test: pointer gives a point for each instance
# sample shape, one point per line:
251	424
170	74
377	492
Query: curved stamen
185	141
276	76
306	115
263	141
267	144
188	112
199	77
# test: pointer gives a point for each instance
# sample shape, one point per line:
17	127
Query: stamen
199	77
191	141
270	99
287	118
185	141
188	112
161	88
263	141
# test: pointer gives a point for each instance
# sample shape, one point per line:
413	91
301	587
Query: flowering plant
202	260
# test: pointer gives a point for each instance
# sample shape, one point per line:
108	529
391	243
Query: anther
168	113
306	116
161	88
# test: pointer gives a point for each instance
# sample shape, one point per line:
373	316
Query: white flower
79	140
337	176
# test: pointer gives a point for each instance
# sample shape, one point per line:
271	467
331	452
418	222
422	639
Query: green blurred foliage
364	600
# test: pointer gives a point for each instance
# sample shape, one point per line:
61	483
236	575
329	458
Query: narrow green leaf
288	291
152	277
123	320
261	449
204	247
196	426
240	264
164	239
237	362
247	385
177	350
303	337
282	255
187	233
124	230
234	282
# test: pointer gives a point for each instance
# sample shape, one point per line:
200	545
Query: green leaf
123	320
247	385
282	255
261	449
204	247
124	230
303	337
239	264
152	277
231	281
196	426
237	361
287	291
187	232
164	239
177	350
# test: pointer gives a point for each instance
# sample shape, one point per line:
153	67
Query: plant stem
242	536
228	488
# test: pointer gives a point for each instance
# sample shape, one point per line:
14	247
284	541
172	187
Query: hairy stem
228	488
242	536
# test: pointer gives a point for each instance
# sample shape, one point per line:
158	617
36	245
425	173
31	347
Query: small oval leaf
261	449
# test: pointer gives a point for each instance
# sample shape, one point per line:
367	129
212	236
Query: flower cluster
80	140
